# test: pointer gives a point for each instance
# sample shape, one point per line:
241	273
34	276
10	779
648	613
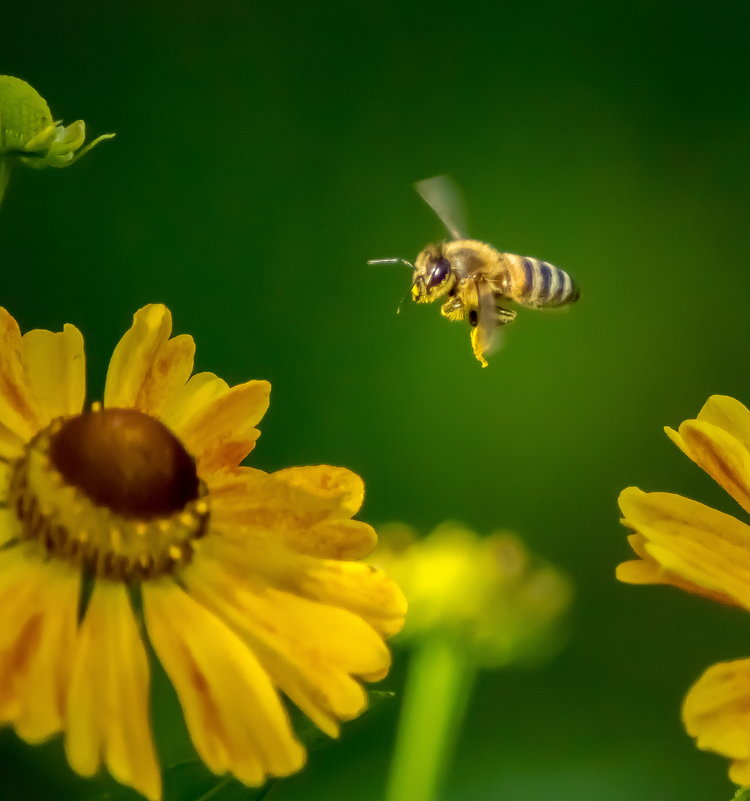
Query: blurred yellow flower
246	578
706	552
487	592
474	602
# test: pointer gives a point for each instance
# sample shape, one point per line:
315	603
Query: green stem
438	687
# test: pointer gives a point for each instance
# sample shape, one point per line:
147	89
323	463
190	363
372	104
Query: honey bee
477	280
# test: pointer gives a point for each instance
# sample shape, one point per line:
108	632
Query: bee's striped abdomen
536	283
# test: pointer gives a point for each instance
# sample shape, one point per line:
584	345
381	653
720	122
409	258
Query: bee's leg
478	344
504	316
453	309
482	336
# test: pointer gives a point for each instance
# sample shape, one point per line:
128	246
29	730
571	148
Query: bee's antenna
392	261
401	303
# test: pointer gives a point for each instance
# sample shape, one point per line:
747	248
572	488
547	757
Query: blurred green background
266	151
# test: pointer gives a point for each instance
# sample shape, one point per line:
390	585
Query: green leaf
743	794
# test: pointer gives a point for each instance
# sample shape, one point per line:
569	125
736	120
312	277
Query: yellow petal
360	588
699	545
654	508
343	489
729	414
638	571
725	413
32	618
724	457
200	390
56	369
42	698
335	539
222	433
739	772
17	412
10	528
11	445
716	711
647	571
312	651
233	712
147	367
676	437
305	508
332	539
108	695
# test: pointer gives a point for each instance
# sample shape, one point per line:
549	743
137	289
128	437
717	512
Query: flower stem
438	687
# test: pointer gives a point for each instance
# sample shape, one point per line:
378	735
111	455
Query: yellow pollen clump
112	490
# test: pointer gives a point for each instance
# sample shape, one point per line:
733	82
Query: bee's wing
443	196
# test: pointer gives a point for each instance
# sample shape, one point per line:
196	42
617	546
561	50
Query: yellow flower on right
706	552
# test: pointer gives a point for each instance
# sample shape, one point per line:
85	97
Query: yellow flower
488	593
699	549
246	578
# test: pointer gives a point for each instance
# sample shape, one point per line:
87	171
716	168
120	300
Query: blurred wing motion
444	198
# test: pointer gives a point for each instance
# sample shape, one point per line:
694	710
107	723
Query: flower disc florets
111	489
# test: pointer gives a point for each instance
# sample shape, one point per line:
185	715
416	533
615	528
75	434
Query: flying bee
477	281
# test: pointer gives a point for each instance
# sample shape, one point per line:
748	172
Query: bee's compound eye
438	272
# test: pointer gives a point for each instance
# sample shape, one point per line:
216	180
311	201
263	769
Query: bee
478	281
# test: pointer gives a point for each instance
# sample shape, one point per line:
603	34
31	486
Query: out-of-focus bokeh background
266	151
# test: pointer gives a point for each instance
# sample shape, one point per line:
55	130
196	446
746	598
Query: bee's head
433	276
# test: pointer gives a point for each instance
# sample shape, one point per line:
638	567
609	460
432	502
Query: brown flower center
126	461
111	490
